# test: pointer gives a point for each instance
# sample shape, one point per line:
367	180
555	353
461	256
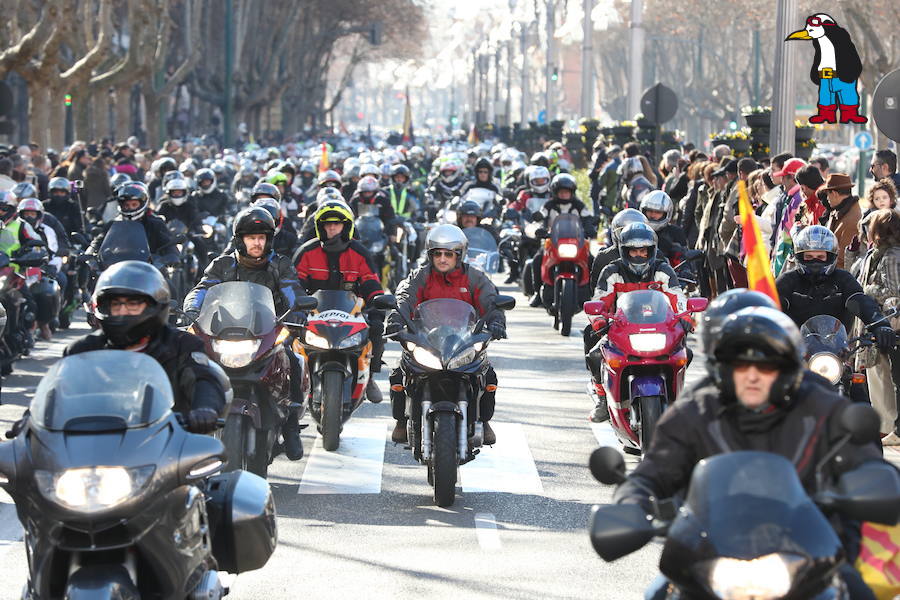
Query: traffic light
454	120
68	100
555	75
732	125
376	32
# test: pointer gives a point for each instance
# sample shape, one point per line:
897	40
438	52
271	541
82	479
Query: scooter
117	500
445	359
644	360
747	528
242	333
565	271
335	342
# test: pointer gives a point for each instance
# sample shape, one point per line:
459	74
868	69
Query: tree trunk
56	122
81	109
123	112
101	103
38	114
153	108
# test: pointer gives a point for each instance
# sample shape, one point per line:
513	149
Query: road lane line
355	468
507	467
486	531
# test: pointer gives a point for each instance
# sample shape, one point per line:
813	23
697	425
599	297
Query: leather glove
392	328
885	338
192	315
202	420
498	330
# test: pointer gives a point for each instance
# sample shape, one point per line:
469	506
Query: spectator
821	163
721	151
880	278
41	166
6	181
96	184
810	180
79	162
884	164
844	212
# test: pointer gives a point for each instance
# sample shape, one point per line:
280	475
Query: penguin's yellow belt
826	74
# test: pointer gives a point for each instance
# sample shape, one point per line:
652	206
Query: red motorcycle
565	271
644	360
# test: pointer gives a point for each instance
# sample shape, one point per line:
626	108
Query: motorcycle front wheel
332	409
234	438
566	306
443	459
651	410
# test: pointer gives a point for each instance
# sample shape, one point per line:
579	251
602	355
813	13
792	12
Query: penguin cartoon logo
835	69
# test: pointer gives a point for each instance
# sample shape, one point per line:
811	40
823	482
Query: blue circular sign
863	140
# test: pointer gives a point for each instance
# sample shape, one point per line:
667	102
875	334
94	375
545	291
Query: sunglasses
443	253
762	367
817	22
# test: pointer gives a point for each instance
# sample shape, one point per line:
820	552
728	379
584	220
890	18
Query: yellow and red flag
879	559
408	137
759	270
323	162
473	136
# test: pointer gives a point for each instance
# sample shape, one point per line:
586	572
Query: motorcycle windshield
176	227
484	197
480	239
566	226
125	240
335	300
536	203
89	392
238	309
447	324
644	306
370	229
824	333
368	210
751	504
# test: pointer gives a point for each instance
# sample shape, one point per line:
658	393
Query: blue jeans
834	91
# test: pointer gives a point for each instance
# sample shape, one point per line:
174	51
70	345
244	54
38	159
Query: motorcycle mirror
593	307
201	456
697	304
619	529
384	302
306	303
505	302
607	465
4	260
870	492
861	422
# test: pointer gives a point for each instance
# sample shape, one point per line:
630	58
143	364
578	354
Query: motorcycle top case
242	519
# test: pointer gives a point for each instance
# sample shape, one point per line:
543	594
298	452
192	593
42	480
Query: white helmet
536	173
658	200
177	190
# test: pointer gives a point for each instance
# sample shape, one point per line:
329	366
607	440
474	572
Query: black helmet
760	335
165	164
563	181
637	235
539	158
811	239
467	207
484	163
264	188
286	166
132	278
117	180
61	186
254	219
132	191
205	175
723	306
400	169
171	175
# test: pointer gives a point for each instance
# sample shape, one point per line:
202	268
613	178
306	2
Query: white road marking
507	467
355	468
486	531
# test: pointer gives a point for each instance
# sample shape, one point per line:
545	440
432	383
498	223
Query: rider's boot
290	433
600	412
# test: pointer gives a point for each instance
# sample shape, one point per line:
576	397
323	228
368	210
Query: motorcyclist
633	182
160	168
61	205
449	181
208	197
817	287
133	205
57	244
335	261
659	209
469	213
623	218
563	188
254	260
132	300
759	400
446	276
368	193
636	269
307	180
330	178
484	177
538	180
177	205
404	200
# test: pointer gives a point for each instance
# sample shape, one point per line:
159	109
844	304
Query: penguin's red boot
827	114
849	114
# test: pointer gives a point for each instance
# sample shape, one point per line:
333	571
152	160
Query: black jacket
214	203
671	241
606	256
67	212
186	213
838	295
181	355
277	274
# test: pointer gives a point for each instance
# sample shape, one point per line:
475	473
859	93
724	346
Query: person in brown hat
843	212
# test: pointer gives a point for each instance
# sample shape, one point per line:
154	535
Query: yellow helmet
334	211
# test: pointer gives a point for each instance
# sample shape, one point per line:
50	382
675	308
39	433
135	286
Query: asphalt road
361	523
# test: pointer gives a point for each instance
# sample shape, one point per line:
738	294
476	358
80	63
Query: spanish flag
759	271
407	122
473	136
323	162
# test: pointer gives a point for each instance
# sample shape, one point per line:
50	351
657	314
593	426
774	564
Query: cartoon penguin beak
799	35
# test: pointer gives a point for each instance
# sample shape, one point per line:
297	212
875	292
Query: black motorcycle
117	500
445	359
747	528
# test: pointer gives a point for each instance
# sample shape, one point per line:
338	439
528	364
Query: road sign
863	140
659	104
886	105
542	117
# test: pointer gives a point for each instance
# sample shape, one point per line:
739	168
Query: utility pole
636	59
228	117
550	90
587	61
509	74
781	137
757	57
523	32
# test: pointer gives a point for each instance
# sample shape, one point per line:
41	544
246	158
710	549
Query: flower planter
619	130
645	124
758	119
804	134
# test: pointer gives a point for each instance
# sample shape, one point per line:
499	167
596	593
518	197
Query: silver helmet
625	218
816	239
659	201
447	237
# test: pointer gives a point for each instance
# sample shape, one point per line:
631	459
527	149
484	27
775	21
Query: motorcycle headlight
208	230
463	359
568	250
354	340
647	342
315	340
827	365
93	489
765	578
426	358
235	353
